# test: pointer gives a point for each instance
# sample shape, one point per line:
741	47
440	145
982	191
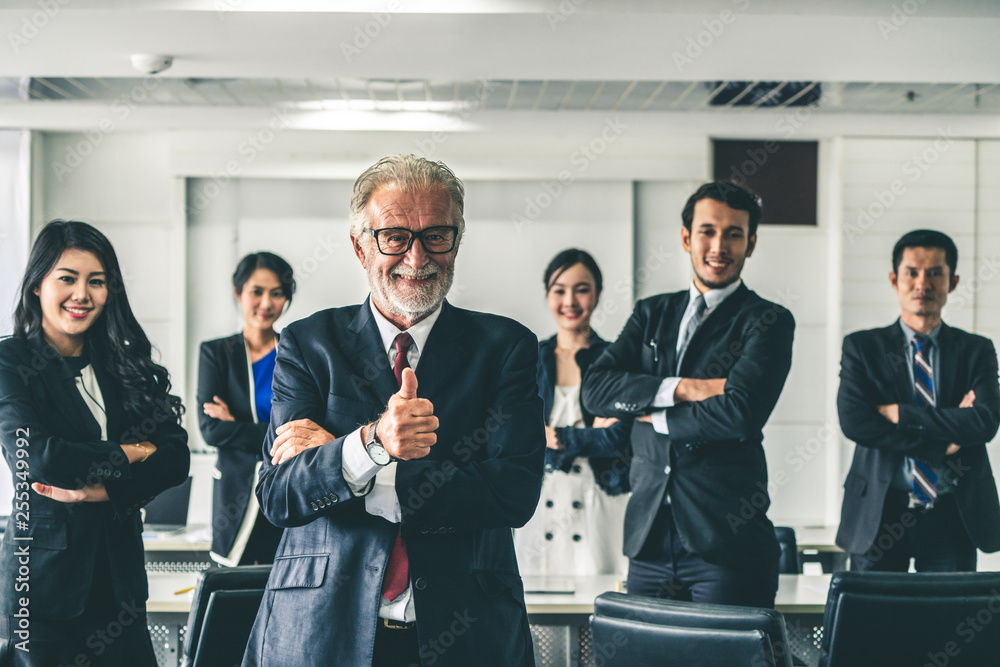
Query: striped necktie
397	572
924	476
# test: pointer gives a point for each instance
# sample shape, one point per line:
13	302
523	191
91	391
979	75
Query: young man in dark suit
702	370
921	401
398	497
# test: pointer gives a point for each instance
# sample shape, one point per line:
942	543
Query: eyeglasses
399	240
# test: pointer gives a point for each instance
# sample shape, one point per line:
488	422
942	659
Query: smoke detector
149	63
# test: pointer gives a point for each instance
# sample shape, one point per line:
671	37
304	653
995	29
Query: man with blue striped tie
921	400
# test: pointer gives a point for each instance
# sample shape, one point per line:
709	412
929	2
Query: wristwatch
375	449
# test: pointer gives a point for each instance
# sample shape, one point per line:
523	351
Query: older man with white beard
398	496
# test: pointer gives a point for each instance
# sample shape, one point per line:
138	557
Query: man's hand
690	390
136	453
648	419
218	409
406	430
967	401
295	437
88	494
890	412
604	422
551	440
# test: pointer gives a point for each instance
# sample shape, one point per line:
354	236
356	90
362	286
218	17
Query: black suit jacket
223	372
874	371
42	412
712	462
481	478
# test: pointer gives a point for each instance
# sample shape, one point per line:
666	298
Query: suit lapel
445	353
947	356
716	320
60	382
367	357
669	332
899	364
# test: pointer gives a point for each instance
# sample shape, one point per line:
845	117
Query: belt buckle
396	625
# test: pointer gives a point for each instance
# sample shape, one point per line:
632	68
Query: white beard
411	303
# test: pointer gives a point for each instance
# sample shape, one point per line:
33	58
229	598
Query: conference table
559	619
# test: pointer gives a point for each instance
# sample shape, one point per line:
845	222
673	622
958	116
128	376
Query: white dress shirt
665	394
358	468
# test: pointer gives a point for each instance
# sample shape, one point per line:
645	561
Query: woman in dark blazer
577	527
234	390
91	433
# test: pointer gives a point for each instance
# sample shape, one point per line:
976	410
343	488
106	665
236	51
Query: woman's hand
551	441
139	453
218	410
88	494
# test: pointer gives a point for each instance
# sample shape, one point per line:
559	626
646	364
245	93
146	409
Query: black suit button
577	468
313	505
577	505
549	503
334	499
420	584
451	530
423	531
117	474
577	538
549	536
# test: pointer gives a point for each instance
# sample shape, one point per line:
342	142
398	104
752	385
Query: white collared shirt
359	469
665	394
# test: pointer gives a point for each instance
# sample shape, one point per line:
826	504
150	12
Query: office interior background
580	123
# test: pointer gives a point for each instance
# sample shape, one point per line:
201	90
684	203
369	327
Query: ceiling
63	59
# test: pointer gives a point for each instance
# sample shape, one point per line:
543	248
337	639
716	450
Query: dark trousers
664	568
119	640
395	648
934	538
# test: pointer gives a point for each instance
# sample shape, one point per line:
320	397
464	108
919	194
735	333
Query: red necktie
397	573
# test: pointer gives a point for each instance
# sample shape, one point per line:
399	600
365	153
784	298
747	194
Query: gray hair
409	173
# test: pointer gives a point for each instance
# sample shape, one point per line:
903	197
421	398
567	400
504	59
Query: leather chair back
631	630
890	618
789	562
222	615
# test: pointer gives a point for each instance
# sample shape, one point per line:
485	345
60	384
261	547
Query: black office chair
222	614
890	618
789	562
632	630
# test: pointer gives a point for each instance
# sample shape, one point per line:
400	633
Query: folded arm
220	433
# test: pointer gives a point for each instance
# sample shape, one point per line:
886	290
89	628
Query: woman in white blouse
577	527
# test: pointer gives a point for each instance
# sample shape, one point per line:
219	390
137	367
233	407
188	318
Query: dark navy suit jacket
874	371
41	408
482	478
712	462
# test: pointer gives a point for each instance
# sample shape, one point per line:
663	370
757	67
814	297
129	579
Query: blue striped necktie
924	476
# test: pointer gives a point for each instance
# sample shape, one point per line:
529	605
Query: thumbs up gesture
406	430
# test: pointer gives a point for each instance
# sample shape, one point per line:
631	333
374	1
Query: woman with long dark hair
234	390
578	526
91	433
